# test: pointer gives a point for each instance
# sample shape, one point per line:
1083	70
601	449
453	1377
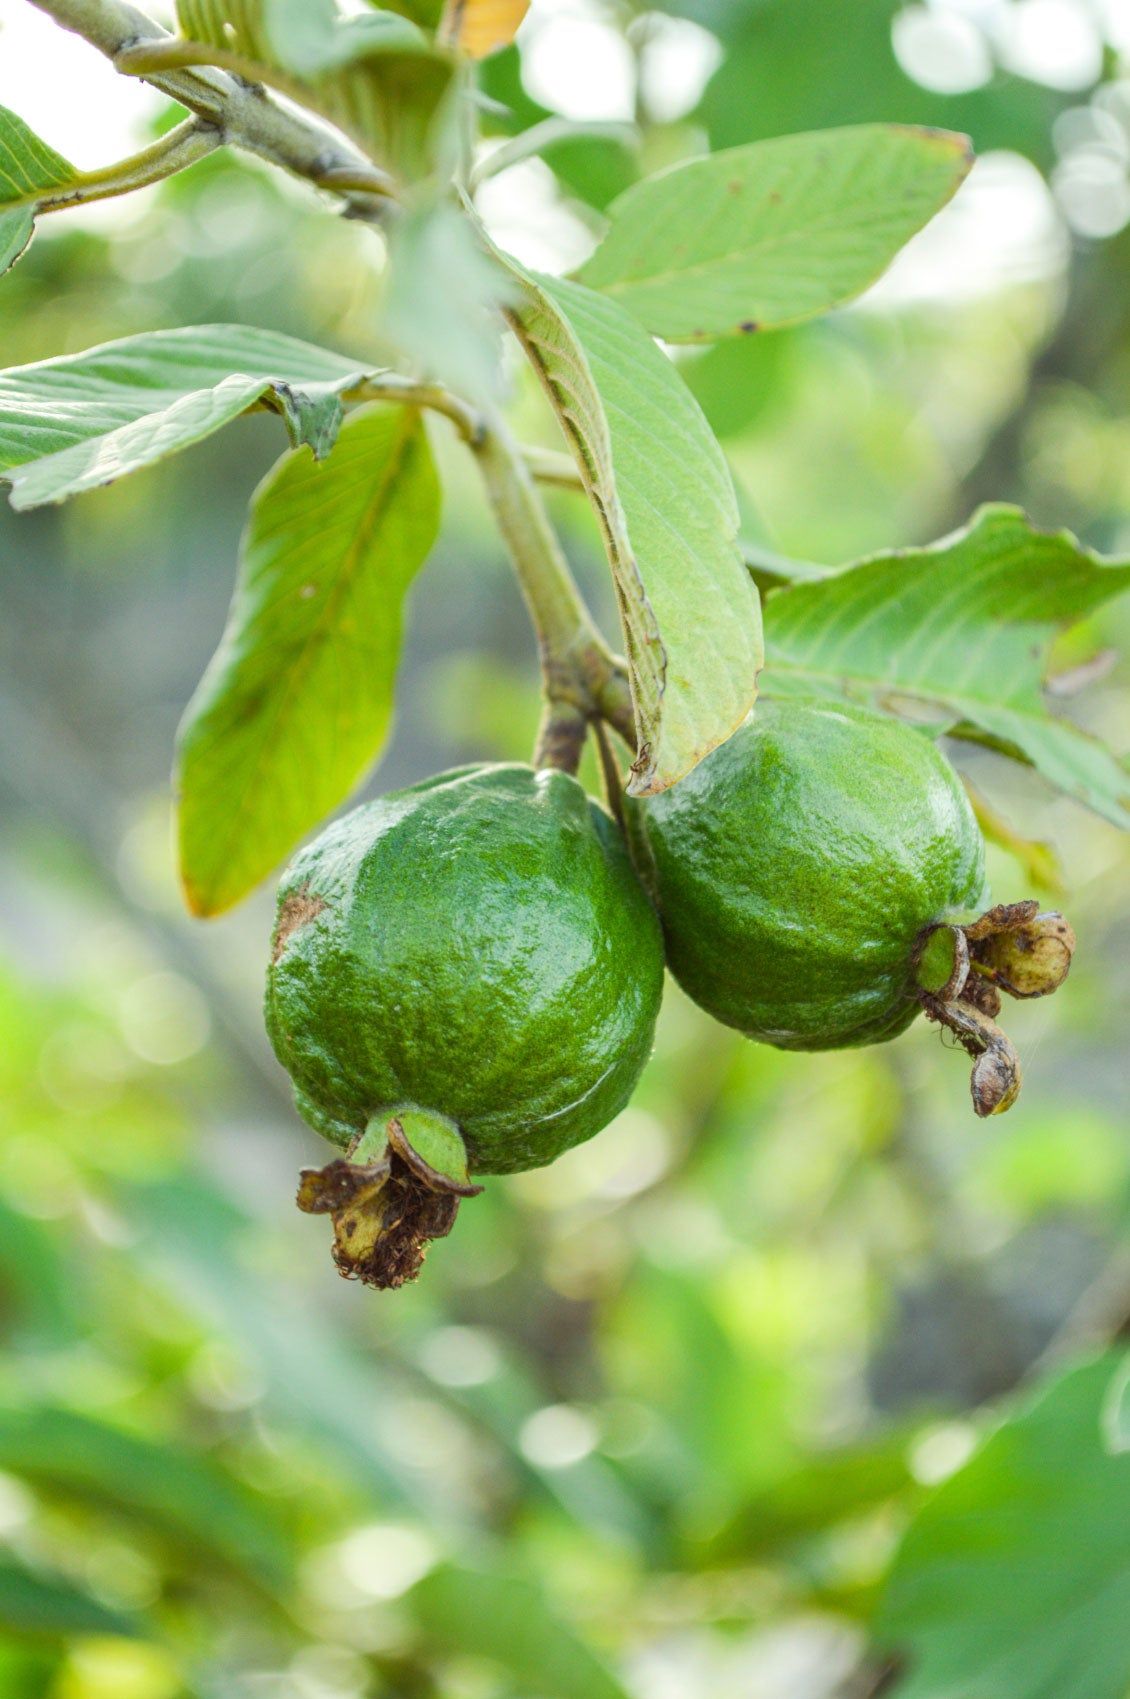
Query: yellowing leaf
481	27
1038	860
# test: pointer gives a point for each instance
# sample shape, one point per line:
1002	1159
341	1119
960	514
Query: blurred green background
654	1419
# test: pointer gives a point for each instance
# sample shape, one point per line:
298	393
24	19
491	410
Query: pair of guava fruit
466	975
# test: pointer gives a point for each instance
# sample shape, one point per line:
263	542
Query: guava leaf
375	76
29	169
16	230
505	1619
1116	1414
40	1603
662	493
82	420
187	1497
442	299
774	232
297	700
311	36
1013	1581
958	634
1039	861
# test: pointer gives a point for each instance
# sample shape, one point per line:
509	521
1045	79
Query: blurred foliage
657	1417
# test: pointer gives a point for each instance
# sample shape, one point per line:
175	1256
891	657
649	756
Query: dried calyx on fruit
819	878
961	971
397	1188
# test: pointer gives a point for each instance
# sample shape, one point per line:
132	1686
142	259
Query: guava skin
477	946
795	867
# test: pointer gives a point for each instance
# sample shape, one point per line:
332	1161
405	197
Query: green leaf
183	1495
40	1603
16	231
376	76
960	630
829	1487
772	233
28	169
82	420
311	36
738	383
297	701
662	493
1039	861
1116	1414
442	298
1013	1581
322	1381
471	1612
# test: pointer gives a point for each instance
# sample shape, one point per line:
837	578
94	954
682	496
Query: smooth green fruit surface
795	867
477	946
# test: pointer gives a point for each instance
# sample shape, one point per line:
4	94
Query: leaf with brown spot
774	232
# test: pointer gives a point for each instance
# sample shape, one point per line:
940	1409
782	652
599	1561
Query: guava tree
465	976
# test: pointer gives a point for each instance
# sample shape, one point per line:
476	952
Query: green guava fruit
796	867
465	977
818	878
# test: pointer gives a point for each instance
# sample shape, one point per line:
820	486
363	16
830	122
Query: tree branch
243	113
182	147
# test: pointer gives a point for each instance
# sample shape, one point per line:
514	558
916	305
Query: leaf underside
481	27
663	496
958	633
82	420
297	701
773	233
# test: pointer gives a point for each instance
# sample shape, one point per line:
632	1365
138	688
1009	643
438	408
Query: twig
182	147
540	136
610	775
552	466
244	114
390	386
148	58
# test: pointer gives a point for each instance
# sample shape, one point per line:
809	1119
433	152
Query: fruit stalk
581	679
